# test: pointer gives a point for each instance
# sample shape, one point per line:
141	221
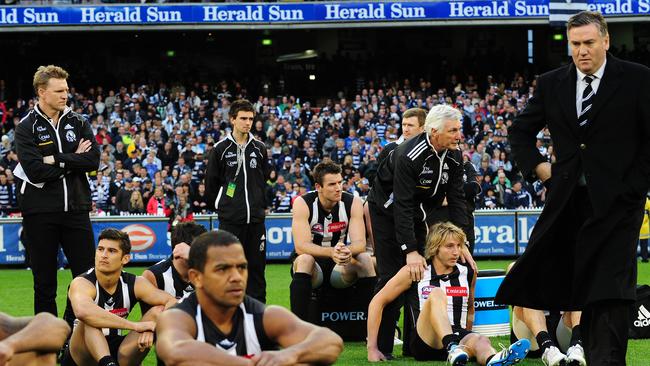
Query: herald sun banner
269	14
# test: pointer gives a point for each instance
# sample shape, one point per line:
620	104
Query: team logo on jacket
142	237
444	178
68	127
335	227
253	163
70	136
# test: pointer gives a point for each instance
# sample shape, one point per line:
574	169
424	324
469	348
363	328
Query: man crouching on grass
102	299
219	325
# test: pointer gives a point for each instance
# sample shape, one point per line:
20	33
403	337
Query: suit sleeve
213	176
638	178
82	162
523	134
404	183
31	159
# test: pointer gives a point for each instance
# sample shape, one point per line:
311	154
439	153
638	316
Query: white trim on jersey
252	343
169	281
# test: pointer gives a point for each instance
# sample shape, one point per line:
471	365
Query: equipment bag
640	314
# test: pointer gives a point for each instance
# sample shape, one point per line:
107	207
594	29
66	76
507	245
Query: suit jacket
565	268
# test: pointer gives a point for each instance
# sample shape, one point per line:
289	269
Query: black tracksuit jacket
66	186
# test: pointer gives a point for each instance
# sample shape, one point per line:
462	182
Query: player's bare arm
151	295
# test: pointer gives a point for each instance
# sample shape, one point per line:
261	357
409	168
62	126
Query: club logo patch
253	163
70	136
317	229
426	291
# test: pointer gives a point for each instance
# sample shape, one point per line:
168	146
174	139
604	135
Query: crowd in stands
155	140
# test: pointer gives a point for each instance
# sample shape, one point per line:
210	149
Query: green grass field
16	299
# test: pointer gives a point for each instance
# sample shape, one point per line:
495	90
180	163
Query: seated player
219	325
442	306
170	275
534	325
322	220
22	340
102	299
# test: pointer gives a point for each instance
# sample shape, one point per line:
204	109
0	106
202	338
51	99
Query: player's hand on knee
145	341
416	264
141	327
6	353
375	355
275	358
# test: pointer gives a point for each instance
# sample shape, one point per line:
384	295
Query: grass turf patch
16	298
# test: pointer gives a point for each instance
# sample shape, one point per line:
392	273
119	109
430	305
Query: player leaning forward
445	307
322	222
219	325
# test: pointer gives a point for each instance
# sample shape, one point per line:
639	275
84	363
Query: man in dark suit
581	254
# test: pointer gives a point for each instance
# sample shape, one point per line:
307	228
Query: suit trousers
604	326
44	233
253	239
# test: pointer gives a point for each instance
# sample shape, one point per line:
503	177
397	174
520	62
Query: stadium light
312	77
171	53
558	37
267	42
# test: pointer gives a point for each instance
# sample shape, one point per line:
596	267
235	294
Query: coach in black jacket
582	252
411	184
235	183
56	148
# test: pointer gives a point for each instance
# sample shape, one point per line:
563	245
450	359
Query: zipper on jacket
441	164
58	139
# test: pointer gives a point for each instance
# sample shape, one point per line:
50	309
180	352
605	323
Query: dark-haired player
219	324
322	222
170	275
102	299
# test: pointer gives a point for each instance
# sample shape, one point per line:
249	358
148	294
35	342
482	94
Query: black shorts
423	352
326	265
114	343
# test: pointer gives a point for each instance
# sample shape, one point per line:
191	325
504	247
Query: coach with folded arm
56	148
582	252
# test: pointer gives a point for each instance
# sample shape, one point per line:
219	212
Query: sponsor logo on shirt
336	227
121	312
457	291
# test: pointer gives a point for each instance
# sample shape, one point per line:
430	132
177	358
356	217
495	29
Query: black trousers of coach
44	233
390	259
253	238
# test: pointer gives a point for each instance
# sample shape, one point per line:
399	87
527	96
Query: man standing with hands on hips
582	251
235	182
56	148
